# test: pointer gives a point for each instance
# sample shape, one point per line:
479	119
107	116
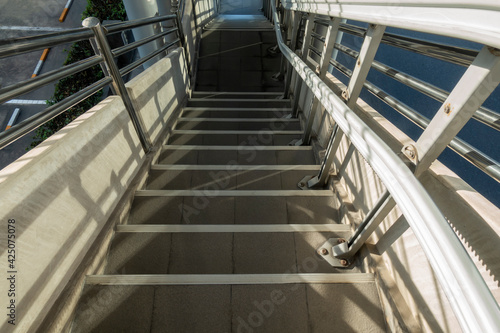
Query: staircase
221	239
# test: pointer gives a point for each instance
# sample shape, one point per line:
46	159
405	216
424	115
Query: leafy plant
103	10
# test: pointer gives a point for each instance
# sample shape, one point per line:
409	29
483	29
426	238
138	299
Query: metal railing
470	298
105	57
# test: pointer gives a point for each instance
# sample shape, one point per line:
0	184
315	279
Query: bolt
359	62
345	94
323	251
494	51
301	184
344	262
447	109
341	240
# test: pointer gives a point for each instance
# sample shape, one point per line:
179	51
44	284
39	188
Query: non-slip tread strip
231	228
233	193
232	279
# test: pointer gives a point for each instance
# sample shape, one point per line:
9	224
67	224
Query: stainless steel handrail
29	85
26	126
483	114
472	301
476	157
27	44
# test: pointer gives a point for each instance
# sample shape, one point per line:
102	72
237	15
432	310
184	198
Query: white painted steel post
475	86
306	42
289	71
326	54
364	62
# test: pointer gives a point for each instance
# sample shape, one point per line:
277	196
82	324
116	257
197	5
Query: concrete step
217	112
215	206
252	124
254	251
251	156
236	95
233	138
282	307
238	103
226	179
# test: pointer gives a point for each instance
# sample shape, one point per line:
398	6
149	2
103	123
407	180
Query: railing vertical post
88	23
475	86
331	35
305	52
119	85
293	44
174	9
364	62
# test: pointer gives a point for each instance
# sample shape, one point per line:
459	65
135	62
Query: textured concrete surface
278	308
238	61
63	192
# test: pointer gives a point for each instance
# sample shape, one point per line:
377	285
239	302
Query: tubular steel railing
105	57
475	307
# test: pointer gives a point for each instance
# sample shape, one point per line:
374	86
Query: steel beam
475	86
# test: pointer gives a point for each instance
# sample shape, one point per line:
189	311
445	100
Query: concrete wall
63	192
409	287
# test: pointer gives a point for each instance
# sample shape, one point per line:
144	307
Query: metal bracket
410	151
278	77
330	251
296	142
309	182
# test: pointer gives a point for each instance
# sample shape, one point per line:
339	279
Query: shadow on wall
63	192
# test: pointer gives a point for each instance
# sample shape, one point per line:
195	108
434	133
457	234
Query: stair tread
220	253
226	178
238	138
230	308
239	157
234	210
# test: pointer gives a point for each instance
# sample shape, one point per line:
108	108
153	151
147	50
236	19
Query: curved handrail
477	21
474	305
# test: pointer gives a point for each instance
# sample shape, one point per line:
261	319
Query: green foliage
103	10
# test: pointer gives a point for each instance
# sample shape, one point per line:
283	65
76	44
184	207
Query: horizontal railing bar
118	27
21	45
26	126
127	69
484	115
476	157
453	54
132	46
31	84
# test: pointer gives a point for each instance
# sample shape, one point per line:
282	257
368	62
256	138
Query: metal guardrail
480	160
94	31
470	298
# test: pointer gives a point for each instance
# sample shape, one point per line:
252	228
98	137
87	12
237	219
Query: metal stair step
230	303
225	112
227	179
210	209
226	252
236	95
237	138
253	156
242	103
190	123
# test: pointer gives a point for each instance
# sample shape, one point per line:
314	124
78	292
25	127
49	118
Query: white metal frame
477	21
474	305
